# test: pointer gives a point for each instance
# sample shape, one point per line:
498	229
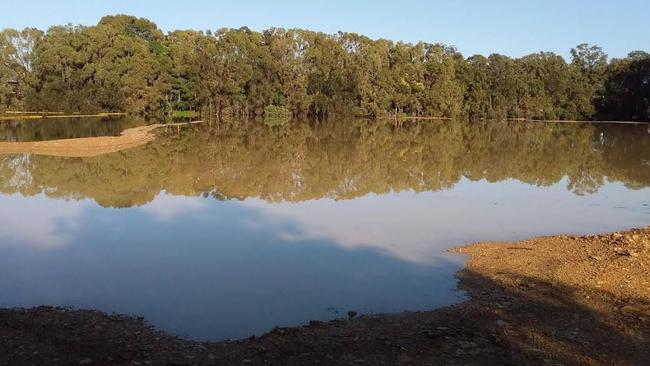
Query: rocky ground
563	300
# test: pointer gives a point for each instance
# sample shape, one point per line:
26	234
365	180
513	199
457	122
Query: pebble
502	323
315	323
86	361
630	310
467	344
622	252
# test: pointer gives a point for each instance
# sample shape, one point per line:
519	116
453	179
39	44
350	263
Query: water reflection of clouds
210	274
166	208
411	226
223	263
417	226
38	221
46	223
405	225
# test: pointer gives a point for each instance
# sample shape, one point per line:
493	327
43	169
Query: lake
225	230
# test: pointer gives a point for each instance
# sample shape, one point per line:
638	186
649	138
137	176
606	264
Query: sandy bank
87	146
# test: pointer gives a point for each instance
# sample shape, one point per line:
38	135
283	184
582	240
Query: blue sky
509	27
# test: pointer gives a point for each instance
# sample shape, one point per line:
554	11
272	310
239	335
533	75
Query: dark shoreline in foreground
570	300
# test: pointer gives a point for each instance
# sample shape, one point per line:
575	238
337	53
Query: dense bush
127	64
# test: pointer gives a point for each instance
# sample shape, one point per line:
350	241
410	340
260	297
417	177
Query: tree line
126	63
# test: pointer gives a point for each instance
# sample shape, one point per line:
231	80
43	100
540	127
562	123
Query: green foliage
359	112
185	114
126	63
626	93
590	60
16	56
119	64
275	116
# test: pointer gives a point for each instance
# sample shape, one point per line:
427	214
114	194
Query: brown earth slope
564	300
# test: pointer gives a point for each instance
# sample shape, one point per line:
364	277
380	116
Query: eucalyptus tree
626	91
126	63
16	65
591	61
119	64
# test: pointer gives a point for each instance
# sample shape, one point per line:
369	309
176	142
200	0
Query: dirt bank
87	146
564	300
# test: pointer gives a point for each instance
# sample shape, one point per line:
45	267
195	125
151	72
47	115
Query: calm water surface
220	231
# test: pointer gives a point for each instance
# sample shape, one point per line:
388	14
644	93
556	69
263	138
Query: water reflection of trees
339	160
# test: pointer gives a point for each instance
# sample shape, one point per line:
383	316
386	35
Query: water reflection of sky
209	269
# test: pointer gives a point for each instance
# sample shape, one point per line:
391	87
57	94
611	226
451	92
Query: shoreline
18	116
570	300
89	146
